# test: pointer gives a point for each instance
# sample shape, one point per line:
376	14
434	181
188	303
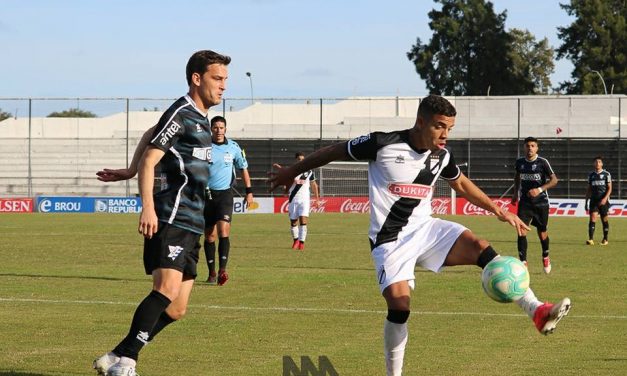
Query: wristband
249	190
540	189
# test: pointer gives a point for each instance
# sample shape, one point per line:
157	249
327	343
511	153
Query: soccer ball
505	279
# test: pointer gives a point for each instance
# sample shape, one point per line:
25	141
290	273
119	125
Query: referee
226	156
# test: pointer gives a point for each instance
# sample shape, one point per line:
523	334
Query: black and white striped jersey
400	179
300	189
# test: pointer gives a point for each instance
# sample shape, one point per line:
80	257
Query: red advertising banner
354	205
464	207
16	205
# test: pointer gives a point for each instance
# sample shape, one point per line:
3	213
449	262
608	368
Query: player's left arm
467	189
607	193
248	187
314	188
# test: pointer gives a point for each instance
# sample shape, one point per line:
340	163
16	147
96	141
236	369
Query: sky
293	49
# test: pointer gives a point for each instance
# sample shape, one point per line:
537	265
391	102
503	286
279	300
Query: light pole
252	98
602	80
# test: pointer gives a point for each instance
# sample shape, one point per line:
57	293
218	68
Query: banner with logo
117	205
16	205
259	206
49	204
558	207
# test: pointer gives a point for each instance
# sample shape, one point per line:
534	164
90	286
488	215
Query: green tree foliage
532	60
596	40
470	53
73	113
4	115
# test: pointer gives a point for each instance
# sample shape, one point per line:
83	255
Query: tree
73	113
532	60
469	52
4	115
595	41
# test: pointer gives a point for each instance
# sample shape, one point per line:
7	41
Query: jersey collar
191	101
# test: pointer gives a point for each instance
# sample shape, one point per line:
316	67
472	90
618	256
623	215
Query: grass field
69	285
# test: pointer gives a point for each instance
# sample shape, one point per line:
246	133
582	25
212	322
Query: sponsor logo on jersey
360	139
530	177
169	132
204	154
198	128
399	159
410	190
598	182
175	250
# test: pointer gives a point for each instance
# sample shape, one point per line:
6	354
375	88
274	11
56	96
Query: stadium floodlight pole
252	98
602	80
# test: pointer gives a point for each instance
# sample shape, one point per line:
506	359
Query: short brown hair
200	60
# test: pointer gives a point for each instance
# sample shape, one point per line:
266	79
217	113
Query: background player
534	176
598	194
172	220
403	168
299	202
226	155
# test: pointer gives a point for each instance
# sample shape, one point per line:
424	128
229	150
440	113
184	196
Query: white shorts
426	245
298	208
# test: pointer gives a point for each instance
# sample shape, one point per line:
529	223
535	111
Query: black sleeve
451	171
363	148
167	132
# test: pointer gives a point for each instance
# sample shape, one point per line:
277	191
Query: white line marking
299	309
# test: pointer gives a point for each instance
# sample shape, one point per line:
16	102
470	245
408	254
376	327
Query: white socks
302	233
394	341
294	232
529	303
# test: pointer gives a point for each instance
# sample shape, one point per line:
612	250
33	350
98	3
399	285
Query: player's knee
172	291
177	313
398	316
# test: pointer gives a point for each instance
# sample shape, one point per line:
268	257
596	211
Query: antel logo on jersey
350	206
360	139
410	190
169	132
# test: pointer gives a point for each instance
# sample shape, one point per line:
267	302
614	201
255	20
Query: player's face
212	83
300	158
434	132
531	150
598	164
218	132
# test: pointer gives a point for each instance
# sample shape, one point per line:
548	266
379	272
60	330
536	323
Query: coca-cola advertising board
558	207
354	204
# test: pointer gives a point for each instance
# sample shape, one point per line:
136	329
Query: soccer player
597	195
226	155
172	219
299	203
534	176
403	168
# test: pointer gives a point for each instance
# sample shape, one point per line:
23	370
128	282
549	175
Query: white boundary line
298	309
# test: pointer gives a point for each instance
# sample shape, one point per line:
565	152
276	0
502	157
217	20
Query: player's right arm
148	223
284	176
109	175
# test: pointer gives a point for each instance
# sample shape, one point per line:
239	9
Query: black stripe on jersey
404	207
297	187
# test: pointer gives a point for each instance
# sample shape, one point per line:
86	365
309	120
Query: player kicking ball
403	168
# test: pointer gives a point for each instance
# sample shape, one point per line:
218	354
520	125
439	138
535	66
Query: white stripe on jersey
158	135
177	202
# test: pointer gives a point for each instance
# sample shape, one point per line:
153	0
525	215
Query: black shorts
534	215
172	248
595	206
218	207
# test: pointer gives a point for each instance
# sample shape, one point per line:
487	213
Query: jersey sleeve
608	177
312	176
364	148
240	161
167	132
451	171
548	168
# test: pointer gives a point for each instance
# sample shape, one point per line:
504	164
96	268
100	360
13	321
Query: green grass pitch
69	285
